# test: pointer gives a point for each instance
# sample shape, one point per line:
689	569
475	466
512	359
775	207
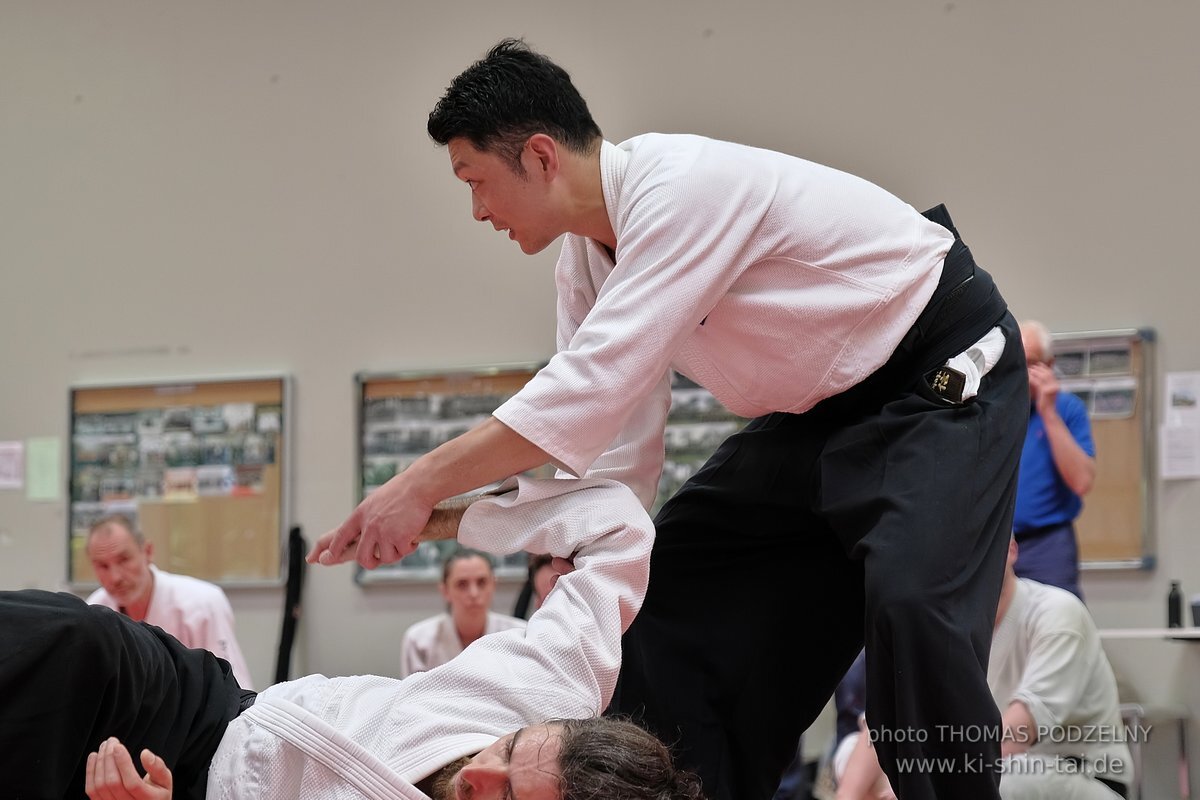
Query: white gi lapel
326	745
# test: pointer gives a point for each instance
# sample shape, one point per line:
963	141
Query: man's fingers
157	772
346	533
349	554
388	552
106	777
106	771
374	550
368	552
89	780
560	567
122	763
319	548
332	547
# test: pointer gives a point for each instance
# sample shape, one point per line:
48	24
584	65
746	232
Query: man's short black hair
498	102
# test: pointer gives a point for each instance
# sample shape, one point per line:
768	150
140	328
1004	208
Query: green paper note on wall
42	469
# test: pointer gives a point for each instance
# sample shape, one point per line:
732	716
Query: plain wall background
237	188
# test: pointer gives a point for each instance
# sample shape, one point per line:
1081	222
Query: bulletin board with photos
1112	373
197	466
402	416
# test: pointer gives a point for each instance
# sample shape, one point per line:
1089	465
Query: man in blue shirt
1058	467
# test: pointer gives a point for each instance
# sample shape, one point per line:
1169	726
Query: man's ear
149	551
541	152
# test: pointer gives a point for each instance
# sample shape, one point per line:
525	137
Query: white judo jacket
771	281
373	737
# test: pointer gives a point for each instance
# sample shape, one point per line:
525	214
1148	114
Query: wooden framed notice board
1112	371
197	466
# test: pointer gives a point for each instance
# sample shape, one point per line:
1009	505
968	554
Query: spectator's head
1038	344
576	759
541	577
121	558
468	586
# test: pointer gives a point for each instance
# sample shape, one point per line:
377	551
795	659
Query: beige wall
228	188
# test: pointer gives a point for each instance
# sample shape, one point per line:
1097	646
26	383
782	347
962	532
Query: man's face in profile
520	205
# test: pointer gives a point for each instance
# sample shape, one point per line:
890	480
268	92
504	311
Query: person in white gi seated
195	612
468	586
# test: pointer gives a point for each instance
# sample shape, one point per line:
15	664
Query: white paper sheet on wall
1179	436
1180	449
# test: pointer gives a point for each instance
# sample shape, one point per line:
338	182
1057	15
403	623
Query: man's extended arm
565	662
447	516
387	525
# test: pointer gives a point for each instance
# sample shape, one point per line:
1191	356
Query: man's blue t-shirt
1042	496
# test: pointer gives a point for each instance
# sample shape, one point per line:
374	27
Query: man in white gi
1064	737
876	483
514	717
468	586
195	612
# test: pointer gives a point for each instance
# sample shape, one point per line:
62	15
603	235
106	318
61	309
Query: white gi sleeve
572	644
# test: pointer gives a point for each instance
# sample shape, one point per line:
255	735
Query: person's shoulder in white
419	642
503	622
101	597
1052	608
426	628
197	590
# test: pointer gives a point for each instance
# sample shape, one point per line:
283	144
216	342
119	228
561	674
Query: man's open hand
111	775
